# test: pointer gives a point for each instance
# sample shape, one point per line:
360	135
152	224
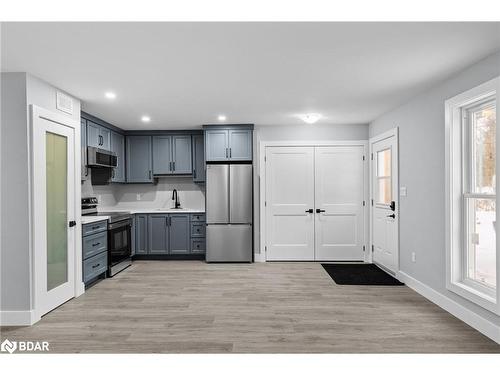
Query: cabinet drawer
197	229
197	217
94	244
197	246
96	227
94	266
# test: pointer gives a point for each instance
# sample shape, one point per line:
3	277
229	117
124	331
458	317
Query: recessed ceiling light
221	118
145	118
110	95
310	118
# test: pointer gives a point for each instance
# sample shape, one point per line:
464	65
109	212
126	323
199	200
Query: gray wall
19	90
305	132
422	171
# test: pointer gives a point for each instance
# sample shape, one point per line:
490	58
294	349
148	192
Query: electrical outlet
138	197
413	257
402	191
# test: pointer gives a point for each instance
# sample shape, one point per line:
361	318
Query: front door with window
54	213
385	203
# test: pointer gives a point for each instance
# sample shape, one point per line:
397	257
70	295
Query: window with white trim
472	269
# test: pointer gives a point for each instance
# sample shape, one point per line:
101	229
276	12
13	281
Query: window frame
458	176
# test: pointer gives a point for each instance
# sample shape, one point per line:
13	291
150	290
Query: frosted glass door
55	176
57	209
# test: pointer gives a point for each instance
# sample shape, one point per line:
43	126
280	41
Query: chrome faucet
175	197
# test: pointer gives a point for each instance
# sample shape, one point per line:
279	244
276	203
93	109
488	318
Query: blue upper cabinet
216	145
139	160
162	155
198	158
118	147
181	154
240	144
98	136
229	144
83	145
172	155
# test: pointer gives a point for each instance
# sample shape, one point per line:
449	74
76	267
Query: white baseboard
17	318
476	321
259	257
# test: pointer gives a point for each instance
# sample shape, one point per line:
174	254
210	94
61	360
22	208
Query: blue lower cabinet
169	234
94	250
95	266
179	234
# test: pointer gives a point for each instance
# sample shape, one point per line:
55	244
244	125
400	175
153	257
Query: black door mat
359	274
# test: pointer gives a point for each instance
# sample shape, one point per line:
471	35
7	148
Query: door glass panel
384	163
484	150
481	254
384	195
57	210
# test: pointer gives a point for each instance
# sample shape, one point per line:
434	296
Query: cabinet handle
97	265
96	244
194	173
230	149
173	165
150	175
95	227
170	166
226	152
170	221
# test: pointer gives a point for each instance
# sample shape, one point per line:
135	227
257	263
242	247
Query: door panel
141	234
179	234
216	145
158	234
384	191
181	152
118	147
162	155
198	159
229	243
139	159
240	144
240	193
93	136
105	138
289	194
53	208
217	193
339	191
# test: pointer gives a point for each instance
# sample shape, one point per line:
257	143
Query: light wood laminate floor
191	306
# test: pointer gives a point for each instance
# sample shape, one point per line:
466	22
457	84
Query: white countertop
152	210
93	219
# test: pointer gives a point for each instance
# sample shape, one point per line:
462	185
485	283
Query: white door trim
380	137
36	114
261	257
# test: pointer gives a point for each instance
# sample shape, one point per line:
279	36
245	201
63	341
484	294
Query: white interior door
385	220
339	194
54	208
290	203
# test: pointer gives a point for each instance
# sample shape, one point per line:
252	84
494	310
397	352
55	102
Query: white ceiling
185	74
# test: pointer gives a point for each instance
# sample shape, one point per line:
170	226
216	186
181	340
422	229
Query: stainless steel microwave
97	157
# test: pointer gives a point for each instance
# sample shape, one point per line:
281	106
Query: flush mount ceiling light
145	118
221	118
310	118
110	95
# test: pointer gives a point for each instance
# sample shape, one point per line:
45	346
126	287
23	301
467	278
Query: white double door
315	203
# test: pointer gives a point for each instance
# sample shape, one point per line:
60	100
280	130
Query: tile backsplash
133	196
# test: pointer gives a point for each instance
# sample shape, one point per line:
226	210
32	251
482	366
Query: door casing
261	257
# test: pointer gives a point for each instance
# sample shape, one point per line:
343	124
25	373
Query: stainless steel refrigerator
229	213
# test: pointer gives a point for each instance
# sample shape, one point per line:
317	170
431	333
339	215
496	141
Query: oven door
119	238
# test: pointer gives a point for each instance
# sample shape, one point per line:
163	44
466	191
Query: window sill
484	300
